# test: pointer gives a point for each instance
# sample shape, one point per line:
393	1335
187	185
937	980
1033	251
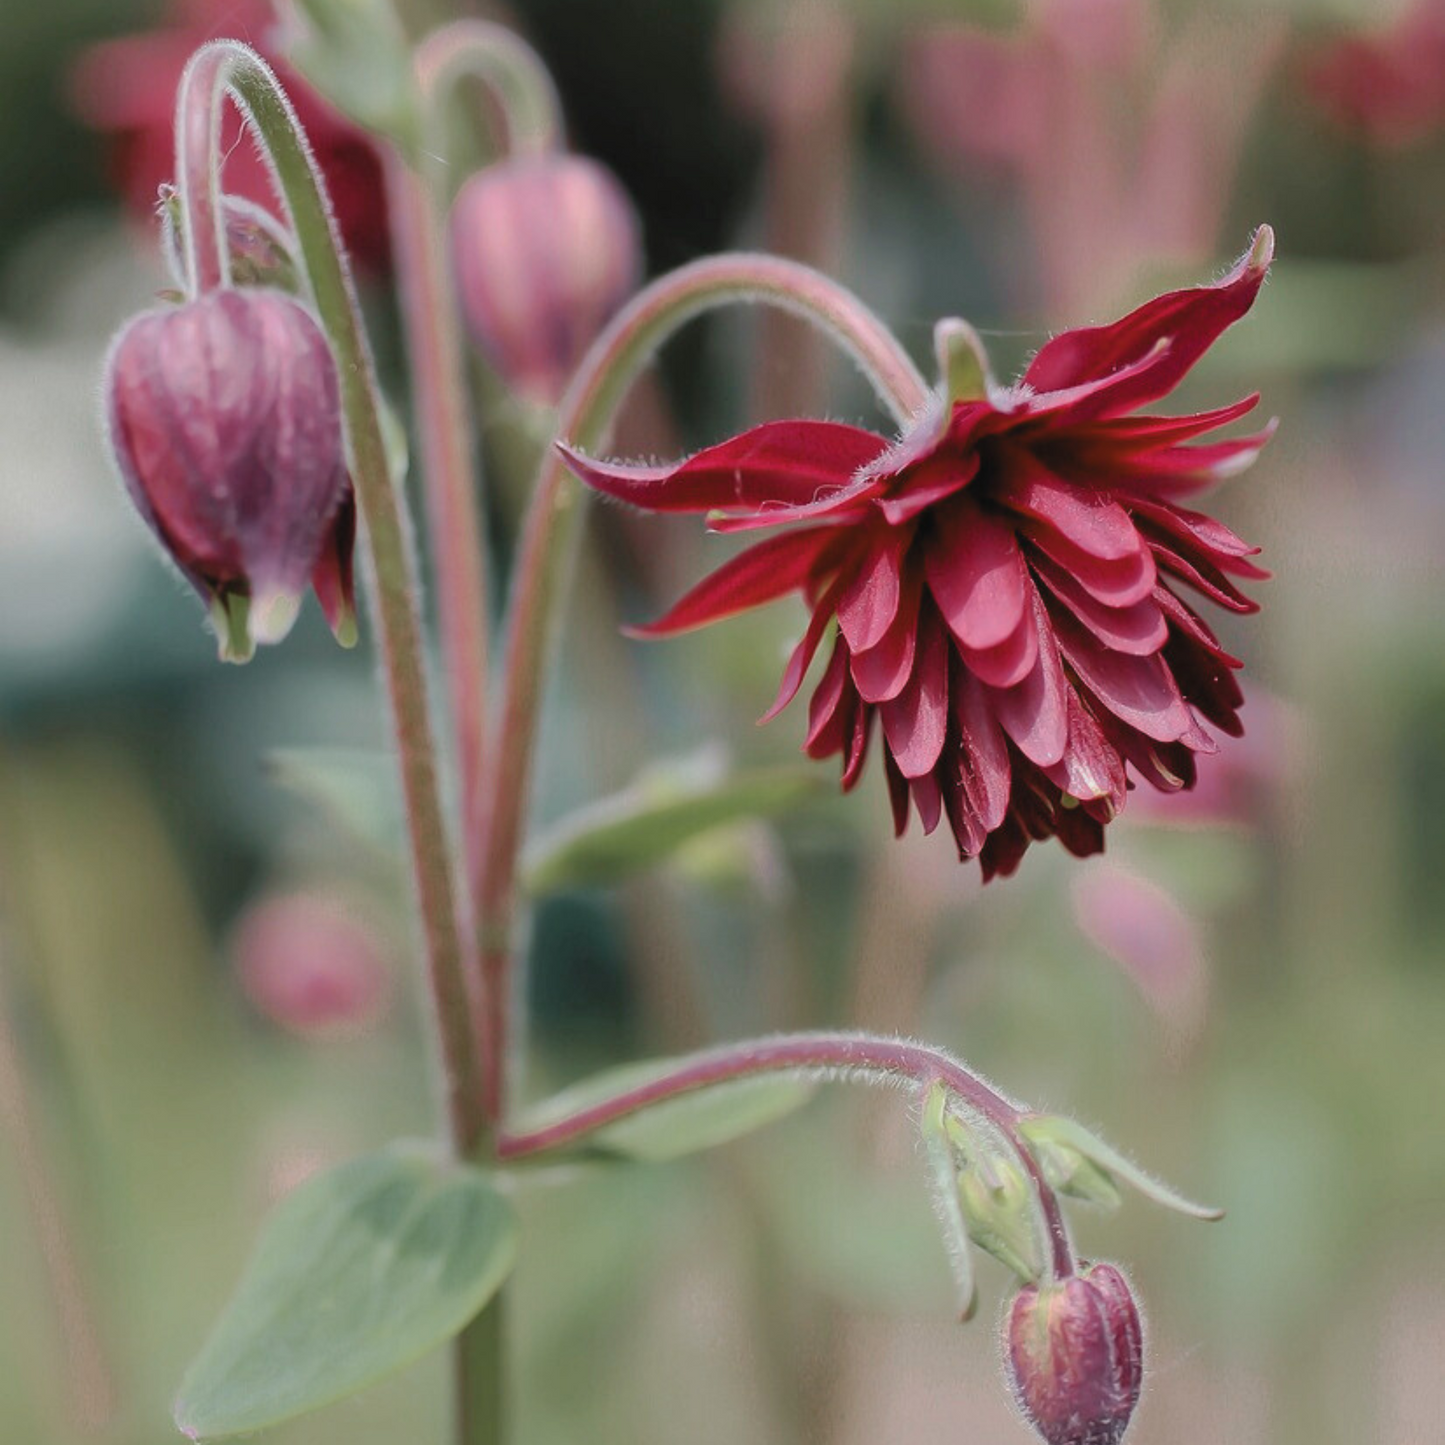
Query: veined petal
1134	433
1140	628
1116	583
883	670
976	574
870	599
780	464
830	708
1089	520
1200	574
1176	329
927	484
1090	767
986	770
1034	712
916	721
1012	659
1139	691
765	572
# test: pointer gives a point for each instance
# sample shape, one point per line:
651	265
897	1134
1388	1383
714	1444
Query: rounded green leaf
356	1273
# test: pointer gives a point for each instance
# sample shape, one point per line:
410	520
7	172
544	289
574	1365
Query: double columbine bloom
1004	578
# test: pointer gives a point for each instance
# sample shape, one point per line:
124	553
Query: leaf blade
356	1273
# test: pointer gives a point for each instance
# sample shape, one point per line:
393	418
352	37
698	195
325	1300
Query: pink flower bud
226	423
309	964
1074	1353
546	248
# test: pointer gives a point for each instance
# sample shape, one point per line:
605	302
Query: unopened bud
225	420
1074	1353
546	248
998	1207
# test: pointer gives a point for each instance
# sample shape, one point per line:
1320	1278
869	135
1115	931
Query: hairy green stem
585	416
227	67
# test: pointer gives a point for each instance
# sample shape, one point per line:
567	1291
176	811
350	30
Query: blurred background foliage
205	968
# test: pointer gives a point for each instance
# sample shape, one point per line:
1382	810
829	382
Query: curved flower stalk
1003	578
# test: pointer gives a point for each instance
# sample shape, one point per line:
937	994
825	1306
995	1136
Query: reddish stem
601	383
860	1056
453	516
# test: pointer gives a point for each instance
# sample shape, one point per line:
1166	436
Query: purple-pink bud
226	423
1075	1356
546	248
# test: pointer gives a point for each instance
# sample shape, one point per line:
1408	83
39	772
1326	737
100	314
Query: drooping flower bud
259	249
1074	1353
545	248
225	419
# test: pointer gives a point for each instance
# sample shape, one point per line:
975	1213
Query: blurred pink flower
1123	146
311	965
1388	83
127	88
1152	938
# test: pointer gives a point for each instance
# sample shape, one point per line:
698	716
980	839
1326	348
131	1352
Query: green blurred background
1249	996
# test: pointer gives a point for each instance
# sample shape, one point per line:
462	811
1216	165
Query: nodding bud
546	248
225	420
1075	1356
260	251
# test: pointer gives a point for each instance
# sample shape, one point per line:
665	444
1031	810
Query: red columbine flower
127	88
1003	578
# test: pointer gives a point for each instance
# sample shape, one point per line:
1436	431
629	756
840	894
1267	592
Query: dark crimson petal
1004	850
857	753
976	574
963	819
333	577
1175	329
1139	629
1011	661
987	773
803	653
1195	530
1188	621
883	670
1206	683
929	798
1138	690
779	464
1079	831
1201	575
927	484
1118	583
915	722
1133	433
1207	462
1165	766
763	573
897	794
830	715
1034	712
870	598
1090	521
1091	768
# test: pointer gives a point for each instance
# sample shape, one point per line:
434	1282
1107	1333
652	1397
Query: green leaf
358	788
679	1126
664	809
943	1171
356	54
1044	1130
356	1273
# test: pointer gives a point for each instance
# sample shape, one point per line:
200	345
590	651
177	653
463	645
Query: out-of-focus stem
586	413
862	1058
215	69
458	547
87	1375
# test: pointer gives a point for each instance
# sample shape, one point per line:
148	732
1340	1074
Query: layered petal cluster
1005	579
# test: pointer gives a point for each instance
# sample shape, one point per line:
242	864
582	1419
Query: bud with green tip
225	419
1074	1354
